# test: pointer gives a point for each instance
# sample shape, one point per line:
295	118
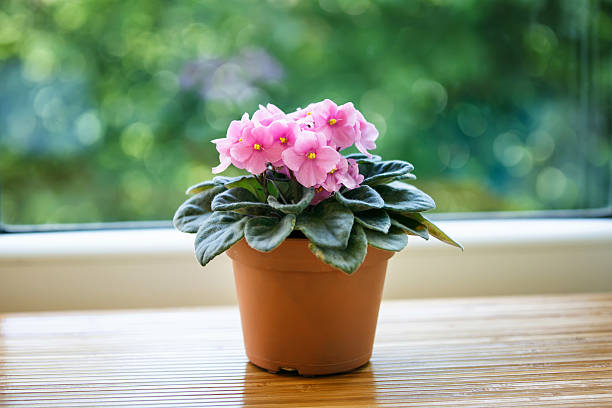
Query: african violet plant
302	186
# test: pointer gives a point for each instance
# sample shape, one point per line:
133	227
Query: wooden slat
505	352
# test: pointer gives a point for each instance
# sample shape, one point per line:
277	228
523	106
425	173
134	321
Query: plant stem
295	187
280	194
262	184
265	185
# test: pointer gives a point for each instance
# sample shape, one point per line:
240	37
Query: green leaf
272	190
407	176
226	180
347	259
203	186
360	157
307	195
376	219
360	198
410	225
328	224
403	197
240	200
384	171
434	230
394	240
220	231
208	184
266	233
285	189
248	183
193	212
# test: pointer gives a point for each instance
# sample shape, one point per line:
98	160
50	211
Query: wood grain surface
502	352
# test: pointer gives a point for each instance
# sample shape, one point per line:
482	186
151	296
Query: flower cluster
304	144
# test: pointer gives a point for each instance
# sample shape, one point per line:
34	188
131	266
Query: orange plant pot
299	313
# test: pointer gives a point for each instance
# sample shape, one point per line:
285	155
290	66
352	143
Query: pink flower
366	135
354	179
337	123
234	133
255	149
267	114
303	117
284	133
346	173
310	158
320	195
336	176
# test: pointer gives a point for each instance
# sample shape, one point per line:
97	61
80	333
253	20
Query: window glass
107	108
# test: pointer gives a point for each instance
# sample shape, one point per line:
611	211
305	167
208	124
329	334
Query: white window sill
156	267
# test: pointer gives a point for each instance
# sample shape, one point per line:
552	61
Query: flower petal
343	136
274	152
362	149
347	114
223	145
292	159
320	196
225	162
331	183
310	174
306	141
256	164
241	151
327	158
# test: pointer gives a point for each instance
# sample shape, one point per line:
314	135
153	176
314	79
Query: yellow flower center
311	155
332	121
240	140
319	189
257	146
283	140
308	113
333	170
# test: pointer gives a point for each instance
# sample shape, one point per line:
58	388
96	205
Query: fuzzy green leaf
407	176
403	197
226	180
193	212
383	171
376	219
266	233
360	157
208	184
434	231
307	195
240	200
347	259
360	198
220	231
394	240
203	186
410	225
328	224
248	183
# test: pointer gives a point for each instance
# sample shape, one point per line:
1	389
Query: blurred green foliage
107	107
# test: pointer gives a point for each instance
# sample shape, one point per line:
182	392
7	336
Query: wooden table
502	352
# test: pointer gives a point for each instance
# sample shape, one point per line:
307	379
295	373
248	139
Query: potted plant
309	232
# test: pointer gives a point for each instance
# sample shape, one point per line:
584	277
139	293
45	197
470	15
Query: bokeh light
107	109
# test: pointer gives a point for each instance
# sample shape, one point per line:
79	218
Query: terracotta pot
300	314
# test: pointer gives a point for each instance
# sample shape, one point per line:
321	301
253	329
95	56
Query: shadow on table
356	388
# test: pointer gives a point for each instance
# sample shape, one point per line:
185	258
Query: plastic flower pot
299	313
